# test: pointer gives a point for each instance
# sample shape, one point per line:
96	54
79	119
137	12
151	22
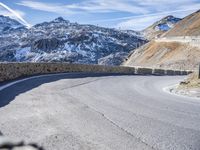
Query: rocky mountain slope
8	24
171	55
189	26
62	41
160	27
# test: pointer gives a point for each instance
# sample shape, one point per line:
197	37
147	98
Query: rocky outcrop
46	45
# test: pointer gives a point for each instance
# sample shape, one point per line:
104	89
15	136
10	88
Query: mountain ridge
60	40
6	24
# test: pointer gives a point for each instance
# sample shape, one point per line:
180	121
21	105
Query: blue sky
123	14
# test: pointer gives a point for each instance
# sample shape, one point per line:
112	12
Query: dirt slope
165	55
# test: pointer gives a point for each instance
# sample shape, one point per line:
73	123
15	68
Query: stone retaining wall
10	71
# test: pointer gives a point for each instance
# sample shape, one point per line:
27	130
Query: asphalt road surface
92	112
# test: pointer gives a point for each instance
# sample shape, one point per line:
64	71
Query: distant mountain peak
167	21
60	19
6	19
2	16
7	23
169	17
198	11
161	26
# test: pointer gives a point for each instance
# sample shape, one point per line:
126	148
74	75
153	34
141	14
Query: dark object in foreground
199	72
7	144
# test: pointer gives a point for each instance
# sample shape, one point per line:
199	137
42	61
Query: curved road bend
83	112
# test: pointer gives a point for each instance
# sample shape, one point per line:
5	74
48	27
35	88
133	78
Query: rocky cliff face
46	45
62	41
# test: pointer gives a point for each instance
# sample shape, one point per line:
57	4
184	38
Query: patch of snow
22	53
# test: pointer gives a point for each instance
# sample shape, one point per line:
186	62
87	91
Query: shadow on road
9	94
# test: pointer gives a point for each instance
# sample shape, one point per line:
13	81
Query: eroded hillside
173	55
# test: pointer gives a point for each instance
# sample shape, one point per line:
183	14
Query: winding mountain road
84	111
191	40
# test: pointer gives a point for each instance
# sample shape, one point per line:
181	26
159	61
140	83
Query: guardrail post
199	71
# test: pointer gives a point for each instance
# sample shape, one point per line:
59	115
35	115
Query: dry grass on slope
168	55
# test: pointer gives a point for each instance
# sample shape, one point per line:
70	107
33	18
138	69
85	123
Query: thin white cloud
144	12
108	6
166	5
142	22
5	12
89	6
163	2
138	23
181	11
14	13
48	7
194	6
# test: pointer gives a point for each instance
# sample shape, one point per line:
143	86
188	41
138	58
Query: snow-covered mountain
160	27
166	23
7	23
62	41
